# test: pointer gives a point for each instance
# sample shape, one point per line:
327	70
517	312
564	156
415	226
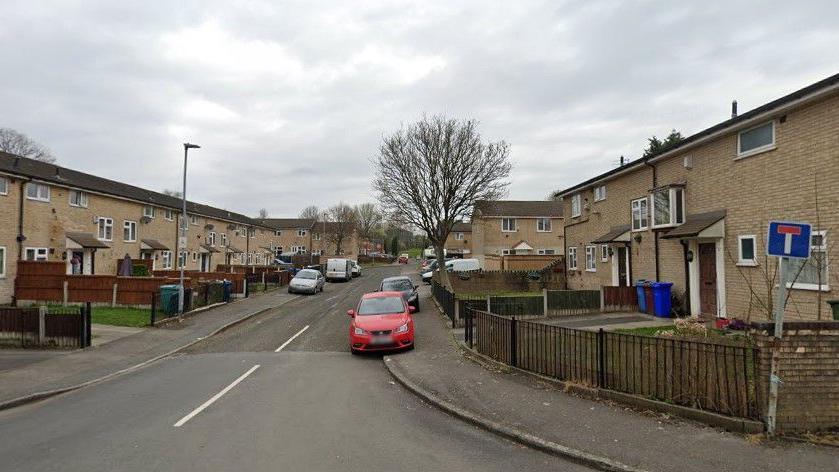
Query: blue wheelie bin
642	299
661	299
227	288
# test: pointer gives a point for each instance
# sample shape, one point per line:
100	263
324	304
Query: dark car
405	286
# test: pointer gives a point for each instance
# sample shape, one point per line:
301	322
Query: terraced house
511	227
52	213
293	235
459	244
697	214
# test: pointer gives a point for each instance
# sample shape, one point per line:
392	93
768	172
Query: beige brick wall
289	238
464	245
777	184
489	239
8	233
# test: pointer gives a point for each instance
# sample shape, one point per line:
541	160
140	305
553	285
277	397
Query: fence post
245	281
456	312
513	342
489	309
153	307
601	357
88	324
545	302
114	296
602	301
66	292
42	324
264	288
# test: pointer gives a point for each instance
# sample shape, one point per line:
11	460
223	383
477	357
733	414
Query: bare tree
339	225
311	212
431	173
17	143
368	221
263	213
172	193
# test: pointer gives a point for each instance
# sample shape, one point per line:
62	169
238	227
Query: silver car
307	281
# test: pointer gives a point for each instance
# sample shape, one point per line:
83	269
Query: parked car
306	281
381	322
338	269
403	258
454	265
404	285
356	268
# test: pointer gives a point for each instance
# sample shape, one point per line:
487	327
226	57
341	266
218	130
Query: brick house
53	213
697	214
292	235
459	242
509	227
325	237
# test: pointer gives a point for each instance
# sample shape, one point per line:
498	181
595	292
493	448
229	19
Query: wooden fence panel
573	302
41	268
620	298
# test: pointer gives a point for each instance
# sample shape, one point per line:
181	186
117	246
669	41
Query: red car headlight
359	331
402	329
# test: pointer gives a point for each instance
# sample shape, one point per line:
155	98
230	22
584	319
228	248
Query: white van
455	265
338	269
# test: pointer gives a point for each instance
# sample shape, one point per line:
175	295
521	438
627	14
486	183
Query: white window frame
822	248
572	258
507	223
746	262
508	252
641	216
193	220
131	226
182	256
540	222
316	236
458	236
251	232
4	185
38	194
576	205
81	197
103	223
148	211
600	193
301	233
168	214
166	259
673	216
760	149
224	239
2	262
278	233
546	252
39	254
211	238
604	253
591	258
195	256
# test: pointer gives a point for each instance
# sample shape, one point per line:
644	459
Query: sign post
786	240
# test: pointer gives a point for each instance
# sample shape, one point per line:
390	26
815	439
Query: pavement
34	374
509	401
608	321
279	391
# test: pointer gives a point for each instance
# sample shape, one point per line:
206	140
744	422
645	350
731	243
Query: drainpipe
20	237
687	275
651	215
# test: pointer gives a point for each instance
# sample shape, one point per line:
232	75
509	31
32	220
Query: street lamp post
182	240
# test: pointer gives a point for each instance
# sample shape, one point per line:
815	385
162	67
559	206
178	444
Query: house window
148	211
604	253
591	255
600	193
546	252
39	192
166	257
37	254
194	257
224	239
4	187
2	262
301	232
508	252
572	258
105	228
668	207
316	236
746	250
508	225
78	198
317	253
251	232
169	214
813	272
758	139
129	231
458	236
193	219
576	205
543	225
278	233
211	238
182	259
640	214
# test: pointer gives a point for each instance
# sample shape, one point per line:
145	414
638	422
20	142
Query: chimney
57	172
17	162
734	109
622	160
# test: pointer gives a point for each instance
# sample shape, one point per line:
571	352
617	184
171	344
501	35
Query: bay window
668	206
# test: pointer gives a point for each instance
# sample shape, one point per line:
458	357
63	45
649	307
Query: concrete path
608	321
103	334
56	372
649	441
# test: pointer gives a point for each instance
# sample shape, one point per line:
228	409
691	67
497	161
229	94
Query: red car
382	322
403	259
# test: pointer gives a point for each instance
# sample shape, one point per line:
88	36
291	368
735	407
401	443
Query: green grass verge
414	252
121	316
646	330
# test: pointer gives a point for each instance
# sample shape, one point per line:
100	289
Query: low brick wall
808	398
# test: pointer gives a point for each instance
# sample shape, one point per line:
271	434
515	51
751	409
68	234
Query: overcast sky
290	100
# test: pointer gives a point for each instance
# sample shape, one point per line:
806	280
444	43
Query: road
232	403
